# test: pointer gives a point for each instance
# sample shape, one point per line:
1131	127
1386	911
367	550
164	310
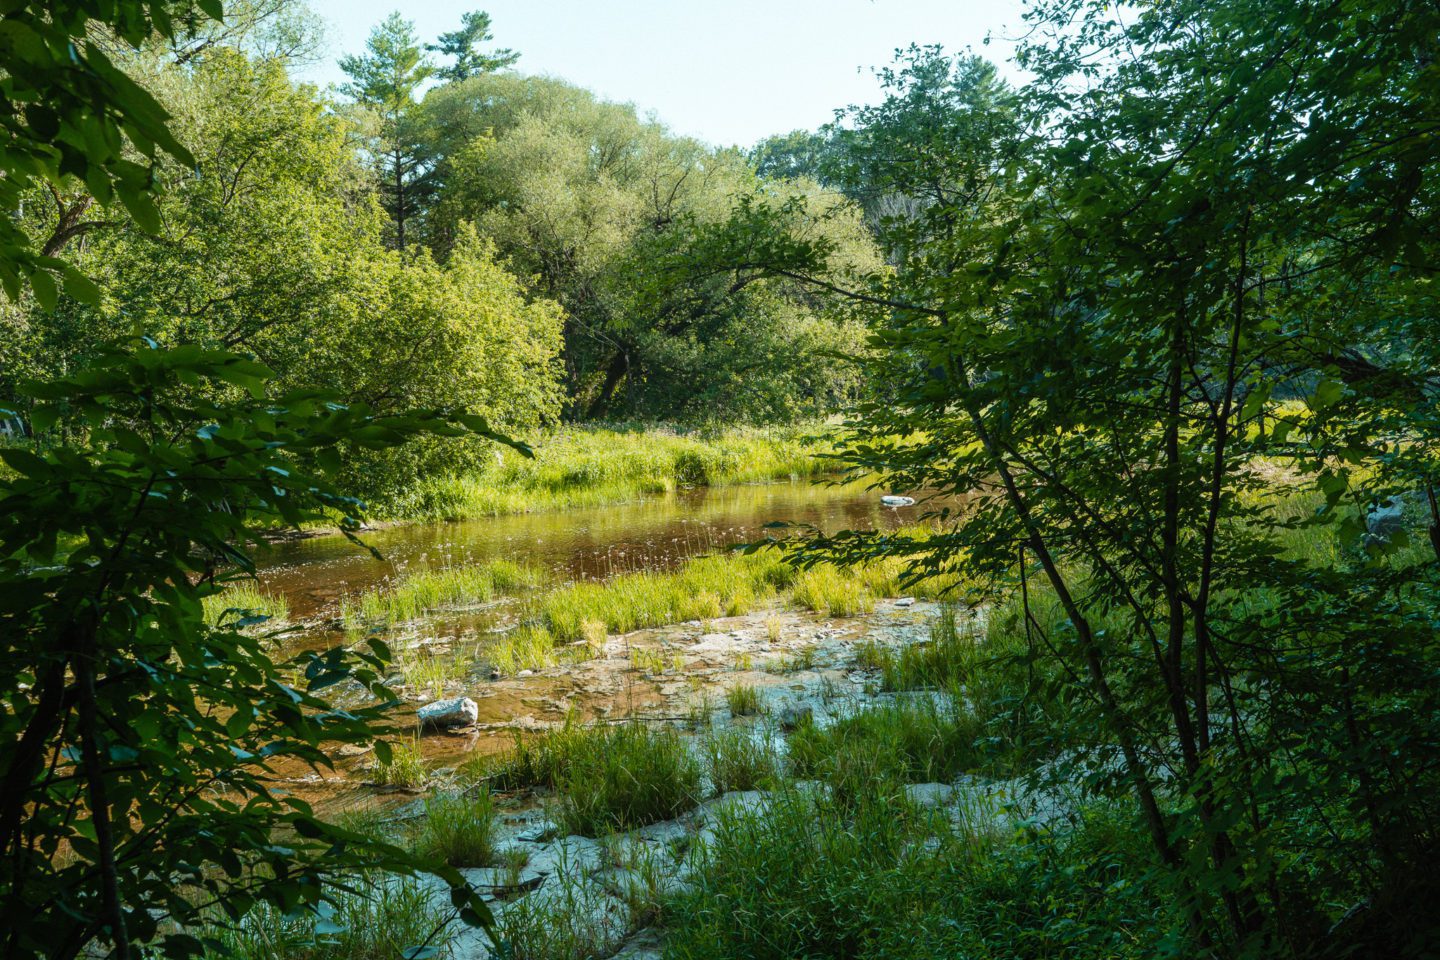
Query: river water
592	543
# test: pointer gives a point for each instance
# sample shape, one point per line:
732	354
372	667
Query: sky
726	72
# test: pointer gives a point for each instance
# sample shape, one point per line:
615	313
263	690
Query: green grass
900	741
458	829
739	759
527	647
405	768
586	467
946	659
743	700
569	918
626	777
244	599
833	592
702	589
604	778
806	876
426	592
382	919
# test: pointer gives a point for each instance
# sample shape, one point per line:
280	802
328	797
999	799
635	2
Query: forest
451	514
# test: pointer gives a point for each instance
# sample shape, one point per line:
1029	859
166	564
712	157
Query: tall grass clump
458	829
931	739
625	777
586	467
702	589
378	918
425	592
527	647
568	918
739	759
833	591
743	700
882	877
406	766
238	601
946	659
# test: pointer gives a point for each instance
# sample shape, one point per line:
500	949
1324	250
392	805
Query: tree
278	252
71	116
384	81
463	47
1163	344
600	207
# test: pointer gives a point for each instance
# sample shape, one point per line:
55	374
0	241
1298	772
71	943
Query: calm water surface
592	543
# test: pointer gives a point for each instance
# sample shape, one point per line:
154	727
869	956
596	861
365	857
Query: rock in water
456	712
894	501
1386	520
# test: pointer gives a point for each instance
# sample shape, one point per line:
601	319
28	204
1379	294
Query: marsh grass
406	767
586	467
703	589
879	876
743	699
946	659
380	918
424	593
458	829
569	918
740	759
626	777
527	647
929	739
243	600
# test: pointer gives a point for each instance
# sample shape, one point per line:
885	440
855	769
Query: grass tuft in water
238	601
405	768
426	592
458	829
743	700
740	759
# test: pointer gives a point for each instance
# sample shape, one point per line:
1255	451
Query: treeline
445	231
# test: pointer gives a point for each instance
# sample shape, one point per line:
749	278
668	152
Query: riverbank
588	466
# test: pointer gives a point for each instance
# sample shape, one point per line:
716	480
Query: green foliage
743	700
1133	306
602	209
463	46
72	116
138	736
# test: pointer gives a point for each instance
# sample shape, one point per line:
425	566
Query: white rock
905	602
890	500
455	712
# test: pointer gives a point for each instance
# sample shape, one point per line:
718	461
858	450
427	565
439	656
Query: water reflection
591	543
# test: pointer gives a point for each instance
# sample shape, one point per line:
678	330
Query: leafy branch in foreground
139	742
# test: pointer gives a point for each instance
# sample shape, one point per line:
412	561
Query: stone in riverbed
455	712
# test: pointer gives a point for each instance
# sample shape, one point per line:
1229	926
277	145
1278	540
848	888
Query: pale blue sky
726	72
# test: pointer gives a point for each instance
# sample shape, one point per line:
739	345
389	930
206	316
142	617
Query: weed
378	918
568	918
625	777
774	629
947	658
426	592
527	647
